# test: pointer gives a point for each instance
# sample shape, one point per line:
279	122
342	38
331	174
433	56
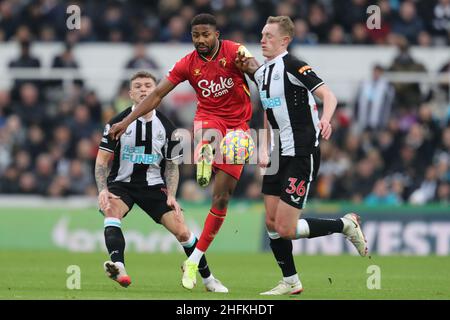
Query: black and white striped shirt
140	153
285	86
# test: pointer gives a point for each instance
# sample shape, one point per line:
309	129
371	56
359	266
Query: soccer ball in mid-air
237	147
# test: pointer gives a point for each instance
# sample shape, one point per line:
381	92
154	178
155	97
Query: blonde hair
285	24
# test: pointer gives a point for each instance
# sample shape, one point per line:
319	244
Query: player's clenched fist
117	130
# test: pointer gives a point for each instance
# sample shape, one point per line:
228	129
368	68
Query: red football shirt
221	88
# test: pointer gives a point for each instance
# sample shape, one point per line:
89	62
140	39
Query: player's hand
117	130
325	129
241	61
104	199
264	159
172	202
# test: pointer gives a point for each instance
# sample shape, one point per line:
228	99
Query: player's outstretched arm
148	104
329	106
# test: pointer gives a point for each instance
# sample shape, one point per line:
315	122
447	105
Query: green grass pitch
43	275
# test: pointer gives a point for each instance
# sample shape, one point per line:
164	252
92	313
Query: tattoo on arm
101	173
172	175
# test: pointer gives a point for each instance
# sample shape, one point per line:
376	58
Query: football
237	147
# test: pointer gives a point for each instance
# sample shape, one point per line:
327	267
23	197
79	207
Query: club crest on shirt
276	76
223	62
197	72
160	136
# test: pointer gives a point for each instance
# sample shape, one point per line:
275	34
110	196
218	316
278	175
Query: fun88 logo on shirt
137	155
269	103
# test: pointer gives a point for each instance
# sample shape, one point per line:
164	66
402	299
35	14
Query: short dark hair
204	18
142	74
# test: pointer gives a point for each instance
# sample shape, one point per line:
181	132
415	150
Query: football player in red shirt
223	104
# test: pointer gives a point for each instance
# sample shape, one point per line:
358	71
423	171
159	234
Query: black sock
115	242
323	227
203	264
282	250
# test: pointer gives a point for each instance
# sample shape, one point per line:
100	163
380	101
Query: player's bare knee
285	231
182	234
220	200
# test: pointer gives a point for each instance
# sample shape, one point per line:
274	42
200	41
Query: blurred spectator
35	143
80	177
8	22
408	23
176	31
408	95
441	19
318	22
94	106
381	195
363	180
141	60
22	160
427	189
336	35
44	172
66	59
9	181
28	183
25	60
82	125
443	194
29	109
374	101
302	34
360	35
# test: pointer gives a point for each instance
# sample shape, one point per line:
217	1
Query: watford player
223	104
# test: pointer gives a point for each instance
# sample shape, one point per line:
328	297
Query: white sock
206	280
196	256
302	230
120	264
292	279
273	235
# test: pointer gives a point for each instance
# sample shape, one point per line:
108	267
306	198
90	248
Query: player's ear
217	34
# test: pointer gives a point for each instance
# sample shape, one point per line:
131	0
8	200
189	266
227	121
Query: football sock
114	240
189	247
282	250
213	222
292	279
312	227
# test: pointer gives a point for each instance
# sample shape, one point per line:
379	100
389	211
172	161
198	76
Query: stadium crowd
390	149
422	22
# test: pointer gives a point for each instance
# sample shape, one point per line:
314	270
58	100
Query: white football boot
284	288
214	285
117	273
353	232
